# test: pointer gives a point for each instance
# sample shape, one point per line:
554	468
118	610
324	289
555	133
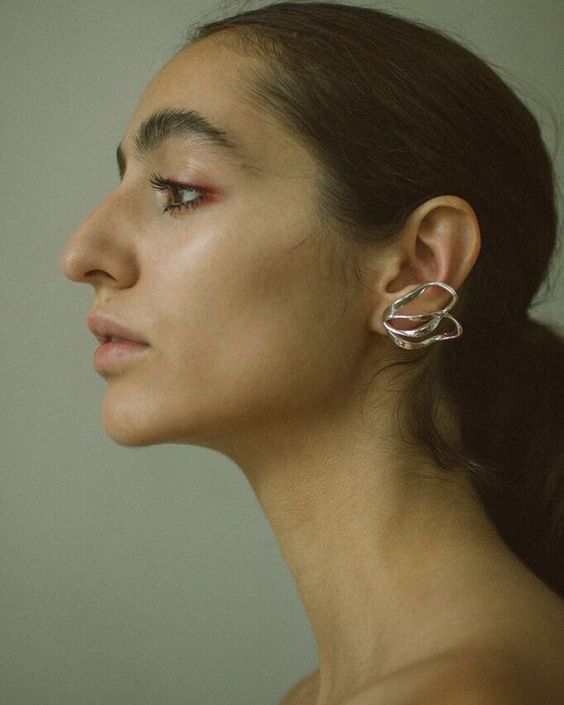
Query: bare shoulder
520	666
523	665
473	678
482	683
522	677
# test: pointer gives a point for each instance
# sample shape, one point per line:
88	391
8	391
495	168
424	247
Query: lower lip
112	355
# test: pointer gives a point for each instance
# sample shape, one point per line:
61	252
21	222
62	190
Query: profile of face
248	324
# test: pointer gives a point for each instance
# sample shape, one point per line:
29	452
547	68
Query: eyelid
163	184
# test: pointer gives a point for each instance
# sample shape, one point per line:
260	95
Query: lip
102	326
113	356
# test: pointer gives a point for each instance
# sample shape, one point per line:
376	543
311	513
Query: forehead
209	77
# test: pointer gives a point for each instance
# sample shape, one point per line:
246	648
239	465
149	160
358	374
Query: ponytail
509	390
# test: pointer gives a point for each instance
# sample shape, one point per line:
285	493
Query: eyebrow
166	123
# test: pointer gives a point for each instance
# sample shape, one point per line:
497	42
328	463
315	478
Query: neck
390	565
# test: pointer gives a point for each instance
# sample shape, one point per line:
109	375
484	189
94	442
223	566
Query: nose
101	251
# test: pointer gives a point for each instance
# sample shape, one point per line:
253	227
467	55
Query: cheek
249	328
242	335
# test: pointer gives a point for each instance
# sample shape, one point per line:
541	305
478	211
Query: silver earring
421	336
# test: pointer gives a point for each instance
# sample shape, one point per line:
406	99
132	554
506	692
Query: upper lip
103	327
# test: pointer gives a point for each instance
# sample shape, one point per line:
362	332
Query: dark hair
396	113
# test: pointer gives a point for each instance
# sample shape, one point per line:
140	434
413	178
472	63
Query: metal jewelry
421	335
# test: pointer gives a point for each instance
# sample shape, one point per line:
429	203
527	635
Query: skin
261	351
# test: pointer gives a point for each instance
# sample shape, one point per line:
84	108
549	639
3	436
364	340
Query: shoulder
461	680
493	677
478	689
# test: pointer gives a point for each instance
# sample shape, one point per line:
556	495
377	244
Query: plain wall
143	575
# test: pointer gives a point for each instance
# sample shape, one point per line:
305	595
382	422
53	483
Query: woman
294	181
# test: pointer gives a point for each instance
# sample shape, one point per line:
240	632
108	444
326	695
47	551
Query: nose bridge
99	241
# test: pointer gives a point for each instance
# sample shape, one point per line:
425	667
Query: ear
440	241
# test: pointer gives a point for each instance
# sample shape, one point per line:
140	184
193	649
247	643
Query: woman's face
246	319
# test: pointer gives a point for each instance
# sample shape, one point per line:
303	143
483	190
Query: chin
131	436
131	424
137	420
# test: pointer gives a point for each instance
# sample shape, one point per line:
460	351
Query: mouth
104	339
106	330
115	352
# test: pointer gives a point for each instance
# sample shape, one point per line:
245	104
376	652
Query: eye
174	187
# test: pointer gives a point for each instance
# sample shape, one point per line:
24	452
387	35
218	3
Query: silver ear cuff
421	335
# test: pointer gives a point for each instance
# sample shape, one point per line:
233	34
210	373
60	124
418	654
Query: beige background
133	576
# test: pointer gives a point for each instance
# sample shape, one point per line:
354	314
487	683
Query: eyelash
161	184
